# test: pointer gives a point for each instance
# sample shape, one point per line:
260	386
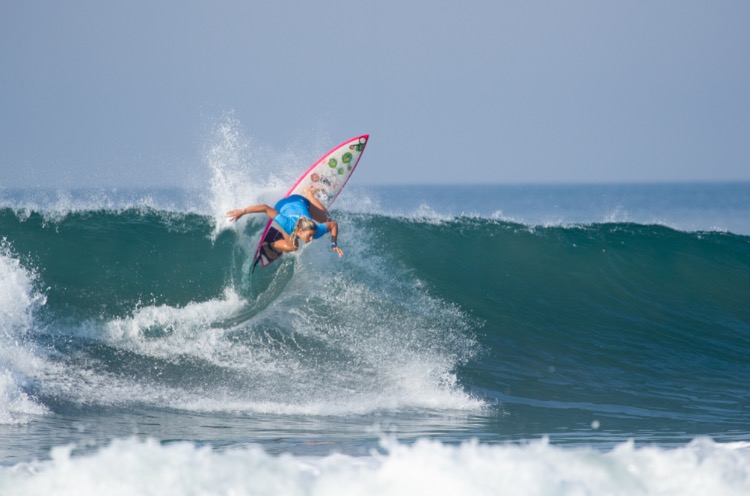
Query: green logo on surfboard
332	163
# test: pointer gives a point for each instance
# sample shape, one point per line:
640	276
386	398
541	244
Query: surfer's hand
233	215
338	250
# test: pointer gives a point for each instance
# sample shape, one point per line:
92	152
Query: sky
130	93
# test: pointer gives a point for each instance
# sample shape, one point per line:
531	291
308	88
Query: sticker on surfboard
326	178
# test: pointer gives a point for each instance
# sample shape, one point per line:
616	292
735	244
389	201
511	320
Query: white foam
186	330
353	341
16	407
146	467
18	302
388	341
295	371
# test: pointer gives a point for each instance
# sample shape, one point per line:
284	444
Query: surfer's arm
233	215
333	228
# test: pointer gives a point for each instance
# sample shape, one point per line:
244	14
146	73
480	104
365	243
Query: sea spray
19	300
243	172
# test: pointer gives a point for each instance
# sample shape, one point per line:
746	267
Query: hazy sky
127	93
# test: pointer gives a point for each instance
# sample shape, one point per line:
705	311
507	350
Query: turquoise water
529	326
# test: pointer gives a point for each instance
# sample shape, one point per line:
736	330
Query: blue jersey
291	209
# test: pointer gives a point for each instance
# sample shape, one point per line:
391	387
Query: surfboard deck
326	177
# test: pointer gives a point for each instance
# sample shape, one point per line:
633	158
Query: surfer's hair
303	224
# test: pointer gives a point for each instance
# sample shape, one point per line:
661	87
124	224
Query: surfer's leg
317	211
269	249
283	245
270	252
319	215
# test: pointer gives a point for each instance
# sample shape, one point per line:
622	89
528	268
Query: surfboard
326	177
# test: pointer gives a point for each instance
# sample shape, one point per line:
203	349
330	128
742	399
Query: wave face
152	308
618	321
602	323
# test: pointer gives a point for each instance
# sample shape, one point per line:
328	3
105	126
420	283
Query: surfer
300	216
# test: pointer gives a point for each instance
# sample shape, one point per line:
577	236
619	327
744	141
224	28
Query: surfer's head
304	229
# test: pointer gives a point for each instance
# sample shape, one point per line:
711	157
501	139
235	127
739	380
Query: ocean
474	339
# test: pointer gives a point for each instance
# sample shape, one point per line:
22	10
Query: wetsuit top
291	209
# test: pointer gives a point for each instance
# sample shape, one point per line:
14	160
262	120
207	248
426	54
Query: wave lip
686	207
